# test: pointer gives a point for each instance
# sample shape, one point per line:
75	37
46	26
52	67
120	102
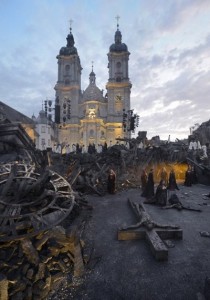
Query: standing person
111	182
149	190
104	148
172	185
194	175
144	178
161	193
188	176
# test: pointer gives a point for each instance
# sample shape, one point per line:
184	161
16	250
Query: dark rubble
54	250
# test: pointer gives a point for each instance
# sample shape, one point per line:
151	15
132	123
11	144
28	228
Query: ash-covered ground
127	269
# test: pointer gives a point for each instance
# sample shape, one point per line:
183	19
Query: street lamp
130	120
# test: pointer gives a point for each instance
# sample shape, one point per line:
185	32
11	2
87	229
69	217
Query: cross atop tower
92	65
70	22
117	18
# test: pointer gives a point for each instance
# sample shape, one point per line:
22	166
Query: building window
49	144
118	64
43	129
67	82
49	130
67	68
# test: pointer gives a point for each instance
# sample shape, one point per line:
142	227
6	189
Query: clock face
118	98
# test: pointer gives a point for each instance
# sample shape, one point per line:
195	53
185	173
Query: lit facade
91	116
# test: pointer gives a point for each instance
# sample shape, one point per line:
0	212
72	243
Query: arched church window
67	69
118	79
81	134
67	82
102	133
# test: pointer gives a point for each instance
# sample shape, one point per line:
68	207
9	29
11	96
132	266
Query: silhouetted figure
194	175
77	148
111	182
172	185
104	148
161	193
149	192
188	177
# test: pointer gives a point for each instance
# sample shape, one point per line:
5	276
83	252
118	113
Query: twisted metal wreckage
36	252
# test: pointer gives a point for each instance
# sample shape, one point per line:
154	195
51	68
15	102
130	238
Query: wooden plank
158	248
125	235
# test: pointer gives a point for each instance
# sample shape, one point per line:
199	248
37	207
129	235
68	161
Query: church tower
118	86
89	117
68	92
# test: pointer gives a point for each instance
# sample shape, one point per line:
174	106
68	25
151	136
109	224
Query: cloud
169	42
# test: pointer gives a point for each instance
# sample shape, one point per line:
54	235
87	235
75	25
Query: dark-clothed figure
149	191
161	193
111	182
172	185
188	177
144	178
104	148
194	175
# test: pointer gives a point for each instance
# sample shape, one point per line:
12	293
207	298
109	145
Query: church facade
91	116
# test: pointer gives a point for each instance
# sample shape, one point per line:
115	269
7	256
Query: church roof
118	46
13	115
69	49
92	92
42	119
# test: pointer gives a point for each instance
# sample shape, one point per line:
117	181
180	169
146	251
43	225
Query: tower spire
92	75
117	18
70	22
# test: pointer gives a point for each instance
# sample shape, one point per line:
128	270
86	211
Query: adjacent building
45	132
10	115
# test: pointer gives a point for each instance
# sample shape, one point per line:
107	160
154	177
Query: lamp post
48	109
130	120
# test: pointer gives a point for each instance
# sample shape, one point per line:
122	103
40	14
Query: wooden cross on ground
153	232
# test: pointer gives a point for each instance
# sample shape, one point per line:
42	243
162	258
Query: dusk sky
168	41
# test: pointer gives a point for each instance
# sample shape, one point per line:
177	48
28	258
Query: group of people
166	185
77	148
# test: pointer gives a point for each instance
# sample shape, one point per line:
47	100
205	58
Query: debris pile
87	173
35	253
31	268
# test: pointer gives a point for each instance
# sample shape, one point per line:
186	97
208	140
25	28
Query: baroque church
91	117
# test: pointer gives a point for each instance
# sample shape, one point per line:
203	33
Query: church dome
118	46
69	49
92	92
